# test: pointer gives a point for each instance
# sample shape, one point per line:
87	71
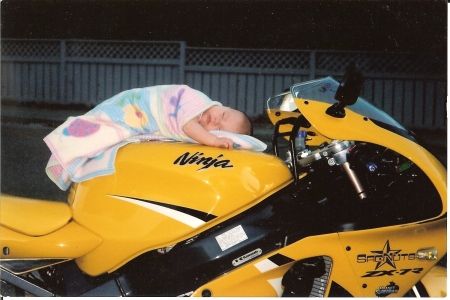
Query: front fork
336	153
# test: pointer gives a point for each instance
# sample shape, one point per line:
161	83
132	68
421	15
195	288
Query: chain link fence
412	88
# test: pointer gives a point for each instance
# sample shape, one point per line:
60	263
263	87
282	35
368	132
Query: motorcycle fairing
324	90
362	122
269	225
390	254
43	235
262	276
197	188
343	249
359	128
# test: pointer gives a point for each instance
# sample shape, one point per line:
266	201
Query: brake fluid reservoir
300	140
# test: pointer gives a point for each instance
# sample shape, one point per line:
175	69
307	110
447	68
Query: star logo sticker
387	256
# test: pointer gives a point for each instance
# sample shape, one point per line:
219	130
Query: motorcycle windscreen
324	90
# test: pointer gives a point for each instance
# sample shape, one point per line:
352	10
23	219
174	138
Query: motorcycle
353	207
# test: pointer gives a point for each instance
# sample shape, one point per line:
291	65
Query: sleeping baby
165	112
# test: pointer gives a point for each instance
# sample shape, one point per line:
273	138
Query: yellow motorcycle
348	204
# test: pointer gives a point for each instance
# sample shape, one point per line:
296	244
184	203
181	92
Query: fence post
182	62
312	65
62	71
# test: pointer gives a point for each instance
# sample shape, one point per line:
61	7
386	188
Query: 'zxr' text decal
380	273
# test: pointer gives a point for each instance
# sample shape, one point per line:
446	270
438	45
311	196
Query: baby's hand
223	143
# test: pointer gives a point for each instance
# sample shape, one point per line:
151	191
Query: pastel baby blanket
85	147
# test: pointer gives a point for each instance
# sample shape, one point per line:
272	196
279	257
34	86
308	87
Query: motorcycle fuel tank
165	192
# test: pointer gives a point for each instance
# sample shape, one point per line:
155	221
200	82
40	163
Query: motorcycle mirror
348	91
350	86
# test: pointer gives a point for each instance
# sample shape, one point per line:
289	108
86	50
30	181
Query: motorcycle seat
33	217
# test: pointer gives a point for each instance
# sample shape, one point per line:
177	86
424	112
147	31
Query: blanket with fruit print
85	147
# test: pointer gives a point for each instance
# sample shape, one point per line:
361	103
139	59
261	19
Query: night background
406	26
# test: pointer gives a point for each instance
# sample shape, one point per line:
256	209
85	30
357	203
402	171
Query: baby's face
223	118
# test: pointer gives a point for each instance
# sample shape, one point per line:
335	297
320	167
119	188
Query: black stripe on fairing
206	217
280	259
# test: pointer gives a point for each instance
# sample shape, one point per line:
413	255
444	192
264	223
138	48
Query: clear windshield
323	90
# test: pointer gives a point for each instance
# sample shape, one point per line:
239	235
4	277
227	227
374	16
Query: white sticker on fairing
232	237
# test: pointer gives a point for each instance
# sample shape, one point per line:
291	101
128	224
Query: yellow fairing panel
33	217
363	262
163	193
277	115
357	128
69	242
262	278
380	256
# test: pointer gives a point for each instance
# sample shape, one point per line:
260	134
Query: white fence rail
412	89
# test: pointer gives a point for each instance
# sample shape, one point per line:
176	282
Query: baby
84	147
217	118
175	112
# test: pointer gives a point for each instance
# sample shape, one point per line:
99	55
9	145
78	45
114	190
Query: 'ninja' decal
199	159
